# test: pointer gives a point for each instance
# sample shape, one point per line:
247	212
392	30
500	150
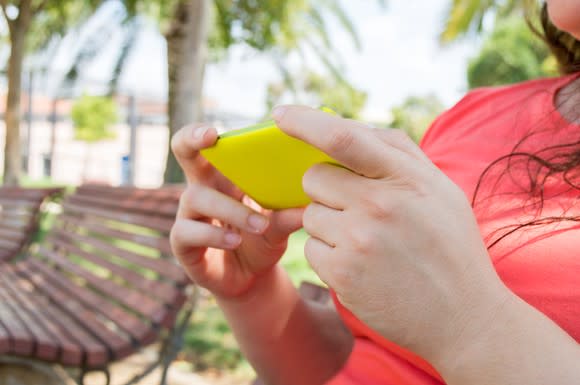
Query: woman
429	289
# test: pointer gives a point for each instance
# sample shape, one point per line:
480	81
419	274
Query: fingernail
232	239
199	132
278	112
257	222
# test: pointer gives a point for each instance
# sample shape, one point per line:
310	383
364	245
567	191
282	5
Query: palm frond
320	26
336	9
462	16
132	28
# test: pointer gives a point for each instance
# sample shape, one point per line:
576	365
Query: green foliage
51	18
416	114
56	18
209	341
468	15
316	90
92	117
511	54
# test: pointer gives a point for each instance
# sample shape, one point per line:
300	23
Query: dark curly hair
540	176
564	46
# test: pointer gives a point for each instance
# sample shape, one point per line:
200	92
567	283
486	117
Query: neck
568	101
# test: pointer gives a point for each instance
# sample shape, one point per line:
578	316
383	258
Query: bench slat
165	268
144	205
132	299
103	283
139	330
161	224
69	350
21	339
160	243
18	204
118	344
4	340
95	353
28	193
159	289
46	347
8	233
8	244
13	226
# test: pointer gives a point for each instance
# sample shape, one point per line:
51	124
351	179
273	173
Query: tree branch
9	21
39	7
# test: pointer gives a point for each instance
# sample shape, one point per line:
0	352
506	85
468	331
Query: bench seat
102	285
19	217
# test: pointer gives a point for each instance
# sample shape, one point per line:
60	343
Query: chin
565	14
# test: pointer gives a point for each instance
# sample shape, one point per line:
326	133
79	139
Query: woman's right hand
223	239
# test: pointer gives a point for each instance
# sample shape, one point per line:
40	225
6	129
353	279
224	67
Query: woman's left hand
393	236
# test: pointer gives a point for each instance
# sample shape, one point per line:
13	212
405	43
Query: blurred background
91	91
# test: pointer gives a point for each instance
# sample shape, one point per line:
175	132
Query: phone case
266	164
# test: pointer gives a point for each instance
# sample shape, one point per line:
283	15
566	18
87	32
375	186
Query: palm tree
468	15
194	29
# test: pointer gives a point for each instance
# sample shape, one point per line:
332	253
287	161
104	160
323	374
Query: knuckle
309	178
186	198
308	214
177	234
346	276
195	194
377	205
341	140
361	240
177	141
400	136
309	249
310	218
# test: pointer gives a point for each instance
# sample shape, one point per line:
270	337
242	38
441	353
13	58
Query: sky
400	57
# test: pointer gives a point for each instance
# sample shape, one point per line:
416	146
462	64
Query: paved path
32	373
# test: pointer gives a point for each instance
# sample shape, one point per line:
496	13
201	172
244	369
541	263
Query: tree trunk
187	56
12	150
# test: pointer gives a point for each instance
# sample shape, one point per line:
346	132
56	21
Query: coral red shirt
541	264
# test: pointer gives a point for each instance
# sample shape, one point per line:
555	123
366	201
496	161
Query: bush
92	117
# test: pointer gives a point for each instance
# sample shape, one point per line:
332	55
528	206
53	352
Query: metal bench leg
84	372
174	341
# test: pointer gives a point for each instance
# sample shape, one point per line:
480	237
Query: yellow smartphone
266	164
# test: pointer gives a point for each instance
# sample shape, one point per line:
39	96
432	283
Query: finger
186	144
351	143
322	222
284	223
319	256
200	201
400	140
332	186
189	239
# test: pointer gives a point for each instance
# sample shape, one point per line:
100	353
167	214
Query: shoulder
482	105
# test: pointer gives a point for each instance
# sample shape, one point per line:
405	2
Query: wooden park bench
102	285
19	217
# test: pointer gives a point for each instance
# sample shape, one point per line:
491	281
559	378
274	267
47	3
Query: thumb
351	143
283	223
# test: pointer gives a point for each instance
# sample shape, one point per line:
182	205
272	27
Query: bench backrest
19	217
115	242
